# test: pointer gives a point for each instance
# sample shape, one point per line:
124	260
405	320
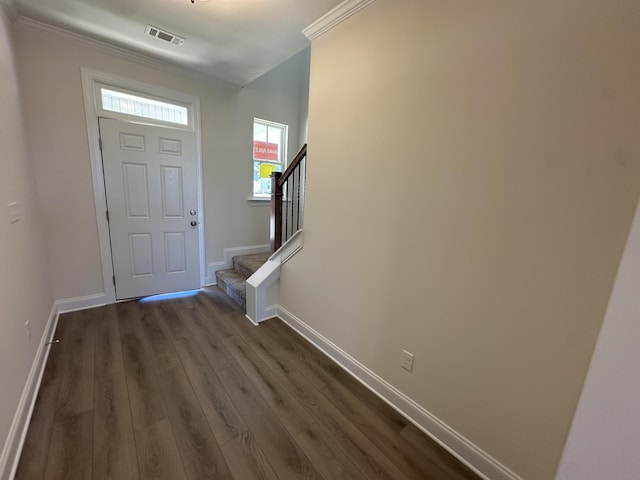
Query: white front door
151	180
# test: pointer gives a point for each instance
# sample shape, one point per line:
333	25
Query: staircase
233	281
287	206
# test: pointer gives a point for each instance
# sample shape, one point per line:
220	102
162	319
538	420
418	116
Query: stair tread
252	262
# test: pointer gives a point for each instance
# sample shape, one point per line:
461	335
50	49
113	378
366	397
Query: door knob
193	223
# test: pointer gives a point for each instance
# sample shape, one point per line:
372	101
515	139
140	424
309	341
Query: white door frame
89	79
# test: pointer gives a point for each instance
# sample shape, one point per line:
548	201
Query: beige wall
49	68
24	282
473	172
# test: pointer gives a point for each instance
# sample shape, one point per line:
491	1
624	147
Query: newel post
276	211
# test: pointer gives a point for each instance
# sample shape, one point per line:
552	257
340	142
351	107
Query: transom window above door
127	105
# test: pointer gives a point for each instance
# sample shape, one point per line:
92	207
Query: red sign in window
265	151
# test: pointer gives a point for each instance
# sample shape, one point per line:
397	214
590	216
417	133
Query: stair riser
222	284
237	295
242	269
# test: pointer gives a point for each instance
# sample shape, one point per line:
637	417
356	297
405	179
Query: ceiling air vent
163	35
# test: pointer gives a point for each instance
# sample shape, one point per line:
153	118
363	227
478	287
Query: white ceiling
235	40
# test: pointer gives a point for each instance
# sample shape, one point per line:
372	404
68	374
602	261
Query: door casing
89	79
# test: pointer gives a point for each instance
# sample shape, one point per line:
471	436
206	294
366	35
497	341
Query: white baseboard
20	425
67	305
227	260
212	268
270	312
463	449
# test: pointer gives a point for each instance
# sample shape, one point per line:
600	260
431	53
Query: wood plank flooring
189	389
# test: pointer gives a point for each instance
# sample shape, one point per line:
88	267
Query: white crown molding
9	7
338	15
124	53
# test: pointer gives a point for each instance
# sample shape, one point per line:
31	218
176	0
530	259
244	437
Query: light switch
14	212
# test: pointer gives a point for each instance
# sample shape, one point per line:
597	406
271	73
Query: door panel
151	183
140	254
176	258
172	195
136	190
170	146
131	142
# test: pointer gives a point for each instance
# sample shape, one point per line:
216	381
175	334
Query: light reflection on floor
169	296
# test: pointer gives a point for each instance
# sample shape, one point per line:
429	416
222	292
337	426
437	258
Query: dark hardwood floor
189	389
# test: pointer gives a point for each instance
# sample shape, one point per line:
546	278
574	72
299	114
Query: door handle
193	223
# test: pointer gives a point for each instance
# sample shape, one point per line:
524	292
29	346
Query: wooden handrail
278	180
292	166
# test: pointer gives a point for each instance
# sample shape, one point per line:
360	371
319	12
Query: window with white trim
269	154
116	102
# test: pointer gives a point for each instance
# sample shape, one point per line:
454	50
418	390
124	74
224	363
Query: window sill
259	201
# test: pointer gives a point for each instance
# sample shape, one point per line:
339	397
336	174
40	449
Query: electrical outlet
406	361
27	325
